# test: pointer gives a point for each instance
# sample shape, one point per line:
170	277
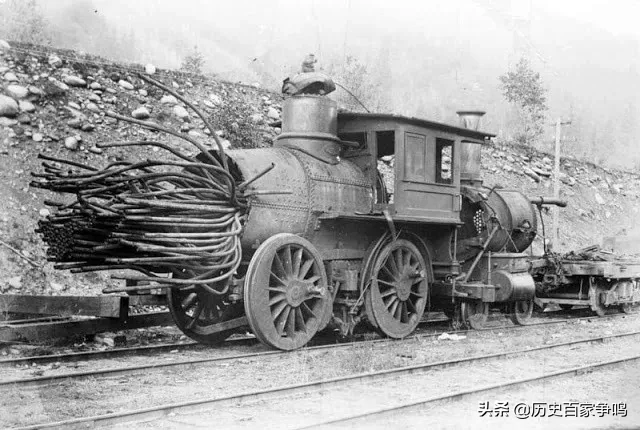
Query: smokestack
470	118
470	150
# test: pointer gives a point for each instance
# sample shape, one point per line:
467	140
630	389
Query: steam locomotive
338	245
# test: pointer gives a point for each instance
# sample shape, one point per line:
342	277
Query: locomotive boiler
309	234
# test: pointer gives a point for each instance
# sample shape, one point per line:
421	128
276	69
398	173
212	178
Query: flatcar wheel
474	314
630	308
521	311
397	295
196	312
286	298
596	300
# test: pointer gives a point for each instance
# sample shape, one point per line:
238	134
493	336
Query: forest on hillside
428	59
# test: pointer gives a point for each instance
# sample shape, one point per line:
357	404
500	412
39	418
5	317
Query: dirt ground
155	387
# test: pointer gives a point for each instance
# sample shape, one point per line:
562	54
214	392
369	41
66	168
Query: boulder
273	113
150	69
26	106
35	91
215	99
143	92
37	137
141	113
75	123
7	122
8	106
125	84
530	173
88	127
71	143
180	112
54	61
95	86
4	46
169	100
17	91
93	107
10	77
74	81
599	199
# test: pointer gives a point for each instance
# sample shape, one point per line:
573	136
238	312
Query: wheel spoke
399	259
196	315
398	310
277	278
312	279
390	301
407	259
277	264
277	298
305	269
391	262
394	307
300	320
275	313
411	307
283	319
417	279
288	264
388	292
297	262
391	284
389	273
404	316
290	328
308	309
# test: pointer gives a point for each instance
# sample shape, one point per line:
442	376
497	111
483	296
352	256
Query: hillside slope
55	104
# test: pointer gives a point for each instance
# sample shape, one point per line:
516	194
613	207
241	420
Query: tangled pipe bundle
181	218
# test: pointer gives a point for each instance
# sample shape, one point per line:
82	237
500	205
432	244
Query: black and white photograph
308	214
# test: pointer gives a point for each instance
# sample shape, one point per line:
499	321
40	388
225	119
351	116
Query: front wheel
286	297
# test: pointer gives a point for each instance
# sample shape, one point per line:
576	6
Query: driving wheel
286	298
397	295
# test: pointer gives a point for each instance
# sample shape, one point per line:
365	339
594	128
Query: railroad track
248	340
125	370
378	377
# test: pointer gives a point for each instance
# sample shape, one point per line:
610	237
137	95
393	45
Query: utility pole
556	183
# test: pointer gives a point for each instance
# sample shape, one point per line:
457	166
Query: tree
356	85
22	21
193	62
523	87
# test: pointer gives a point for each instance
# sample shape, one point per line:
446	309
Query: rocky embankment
53	104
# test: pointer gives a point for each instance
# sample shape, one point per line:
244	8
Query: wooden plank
148	300
43	331
100	306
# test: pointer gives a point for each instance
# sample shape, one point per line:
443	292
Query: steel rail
156	412
116	371
458	395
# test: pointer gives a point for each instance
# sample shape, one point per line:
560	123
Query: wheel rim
286	295
474	314
522	311
398	292
196	312
596	300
